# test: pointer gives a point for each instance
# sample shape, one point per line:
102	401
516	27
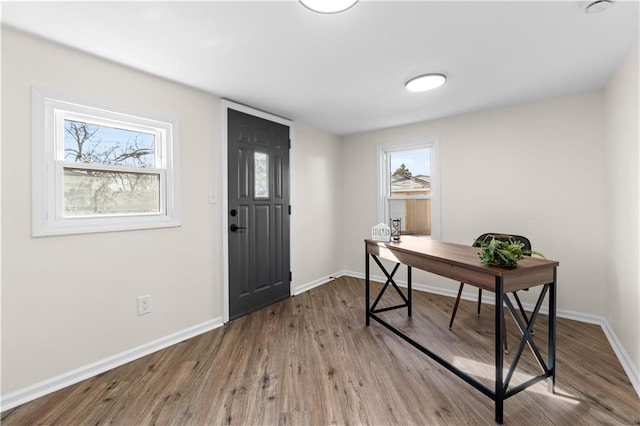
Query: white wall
316	221
71	300
533	169
622	137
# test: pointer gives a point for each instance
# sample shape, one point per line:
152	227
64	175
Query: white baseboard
61	381
629	367
625	360
316	283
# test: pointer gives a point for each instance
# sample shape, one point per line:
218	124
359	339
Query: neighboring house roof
413	183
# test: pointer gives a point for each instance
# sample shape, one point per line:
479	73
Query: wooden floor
310	360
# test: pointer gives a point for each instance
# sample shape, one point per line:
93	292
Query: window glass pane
261	174
414	214
410	172
99	192
89	143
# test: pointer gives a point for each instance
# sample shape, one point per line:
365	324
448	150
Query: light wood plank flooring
310	360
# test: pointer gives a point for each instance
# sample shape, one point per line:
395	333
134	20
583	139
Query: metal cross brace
384	288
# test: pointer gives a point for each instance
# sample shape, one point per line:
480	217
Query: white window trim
47	218
382	181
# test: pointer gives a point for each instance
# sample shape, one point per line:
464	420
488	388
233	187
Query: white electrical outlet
144	305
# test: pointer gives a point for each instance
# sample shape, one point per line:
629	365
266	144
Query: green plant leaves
503	253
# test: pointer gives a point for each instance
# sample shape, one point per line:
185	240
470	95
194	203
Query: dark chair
485	238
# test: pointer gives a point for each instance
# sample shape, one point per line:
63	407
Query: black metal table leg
526	329
409	290
551	358
367	291
499	318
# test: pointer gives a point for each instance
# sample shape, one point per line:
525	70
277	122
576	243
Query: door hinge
289	143
290	276
289	209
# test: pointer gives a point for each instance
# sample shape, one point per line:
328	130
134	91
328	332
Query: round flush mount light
425	82
598	6
328	6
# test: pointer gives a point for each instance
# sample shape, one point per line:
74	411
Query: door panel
243	173
259	248
261	244
277	177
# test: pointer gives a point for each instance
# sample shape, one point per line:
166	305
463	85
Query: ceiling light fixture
328	6
422	83
598	6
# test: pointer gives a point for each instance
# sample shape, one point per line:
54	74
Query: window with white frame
409	188
99	170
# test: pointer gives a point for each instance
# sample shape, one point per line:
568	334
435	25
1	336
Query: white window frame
49	111
384	184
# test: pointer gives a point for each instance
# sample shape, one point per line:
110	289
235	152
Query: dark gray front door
258	212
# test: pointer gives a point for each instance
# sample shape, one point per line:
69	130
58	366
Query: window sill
100	225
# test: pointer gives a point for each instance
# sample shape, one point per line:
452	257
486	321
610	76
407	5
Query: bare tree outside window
89	143
121	190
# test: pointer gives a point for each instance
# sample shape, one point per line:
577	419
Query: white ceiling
345	73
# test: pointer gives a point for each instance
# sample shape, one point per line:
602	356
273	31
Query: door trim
227	104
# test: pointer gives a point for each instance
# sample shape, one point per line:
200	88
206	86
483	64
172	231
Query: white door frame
224	160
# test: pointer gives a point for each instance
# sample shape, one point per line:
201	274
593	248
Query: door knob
234	227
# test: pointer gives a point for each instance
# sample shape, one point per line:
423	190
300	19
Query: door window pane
261	174
100	192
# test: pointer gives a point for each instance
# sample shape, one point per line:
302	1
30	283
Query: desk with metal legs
461	263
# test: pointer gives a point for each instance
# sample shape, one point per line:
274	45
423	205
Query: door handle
234	227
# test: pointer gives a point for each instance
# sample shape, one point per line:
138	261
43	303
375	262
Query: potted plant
503	253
